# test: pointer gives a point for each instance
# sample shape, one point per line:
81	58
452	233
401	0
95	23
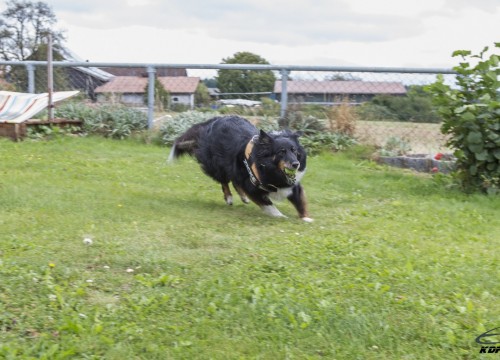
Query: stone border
421	162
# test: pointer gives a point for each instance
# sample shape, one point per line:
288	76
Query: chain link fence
386	107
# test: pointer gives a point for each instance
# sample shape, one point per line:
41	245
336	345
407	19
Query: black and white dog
261	166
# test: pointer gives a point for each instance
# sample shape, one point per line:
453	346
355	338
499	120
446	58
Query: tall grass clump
342	118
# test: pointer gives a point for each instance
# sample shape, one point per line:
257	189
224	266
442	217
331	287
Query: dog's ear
264	138
298	134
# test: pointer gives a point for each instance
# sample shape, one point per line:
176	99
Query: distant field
424	138
397	265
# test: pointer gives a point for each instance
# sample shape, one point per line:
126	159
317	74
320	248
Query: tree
202	96
24	27
416	106
245	81
162	96
210	82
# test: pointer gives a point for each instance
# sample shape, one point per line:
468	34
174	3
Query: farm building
131	90
330	92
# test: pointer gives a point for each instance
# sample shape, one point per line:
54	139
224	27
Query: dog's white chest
284	193
281	194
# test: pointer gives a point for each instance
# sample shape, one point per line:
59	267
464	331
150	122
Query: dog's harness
252	170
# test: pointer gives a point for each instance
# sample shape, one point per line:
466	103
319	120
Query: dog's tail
187	143
180	148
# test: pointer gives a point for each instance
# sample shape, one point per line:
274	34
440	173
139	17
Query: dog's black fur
260	165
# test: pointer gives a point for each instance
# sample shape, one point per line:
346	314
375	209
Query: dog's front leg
265	204
298	199
271	210
241	193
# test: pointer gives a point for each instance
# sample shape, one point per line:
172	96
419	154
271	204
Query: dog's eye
281	151
293	150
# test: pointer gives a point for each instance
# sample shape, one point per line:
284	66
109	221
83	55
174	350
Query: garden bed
17	131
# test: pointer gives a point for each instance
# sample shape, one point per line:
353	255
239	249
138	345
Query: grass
395	266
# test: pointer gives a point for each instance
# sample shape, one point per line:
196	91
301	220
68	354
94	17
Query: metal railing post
284	94
30	68
151	95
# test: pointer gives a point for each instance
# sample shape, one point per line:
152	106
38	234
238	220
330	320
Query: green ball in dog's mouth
290	172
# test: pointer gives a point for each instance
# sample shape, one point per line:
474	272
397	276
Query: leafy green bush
171	129
116	121
39	132
471	113
297	119
316	135
317	141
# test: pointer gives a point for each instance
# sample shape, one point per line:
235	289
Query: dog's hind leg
228	196
242	194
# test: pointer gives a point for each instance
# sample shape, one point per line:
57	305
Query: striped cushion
18	107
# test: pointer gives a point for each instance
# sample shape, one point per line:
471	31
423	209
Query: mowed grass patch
395	266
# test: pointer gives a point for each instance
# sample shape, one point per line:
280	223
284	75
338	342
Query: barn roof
124	84
179	85
142	71
341	87
137	85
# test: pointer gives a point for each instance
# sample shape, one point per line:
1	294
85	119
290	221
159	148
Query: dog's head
279	154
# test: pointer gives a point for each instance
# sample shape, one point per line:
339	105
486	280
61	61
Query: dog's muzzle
290	172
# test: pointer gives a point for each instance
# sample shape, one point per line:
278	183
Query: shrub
297	119
316	135
270	107
116	121
471	118
171	129
317	141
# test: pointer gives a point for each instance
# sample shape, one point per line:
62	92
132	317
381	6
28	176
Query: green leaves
116	121
471	118
475	138
462	53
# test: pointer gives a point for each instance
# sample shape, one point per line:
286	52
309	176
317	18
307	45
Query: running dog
261	166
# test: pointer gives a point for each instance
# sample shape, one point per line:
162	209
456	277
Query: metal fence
388	105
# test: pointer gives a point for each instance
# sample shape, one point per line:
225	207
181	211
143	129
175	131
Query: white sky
400	33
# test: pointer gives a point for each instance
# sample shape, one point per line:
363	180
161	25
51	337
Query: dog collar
252	170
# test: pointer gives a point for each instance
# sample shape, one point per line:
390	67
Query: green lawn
395	266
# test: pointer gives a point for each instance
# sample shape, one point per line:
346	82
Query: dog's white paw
245	199
229	200
271	210
307	219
